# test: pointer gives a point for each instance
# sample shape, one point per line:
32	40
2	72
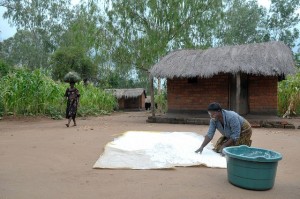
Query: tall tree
42	19
68	59
241	22
281	21
21	50
144	31
86	31
84	28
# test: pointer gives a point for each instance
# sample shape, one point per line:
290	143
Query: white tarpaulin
158	150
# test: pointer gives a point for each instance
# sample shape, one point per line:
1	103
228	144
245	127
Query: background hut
130	99
242	78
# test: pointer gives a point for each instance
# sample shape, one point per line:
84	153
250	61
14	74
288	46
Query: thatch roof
269	59
127	93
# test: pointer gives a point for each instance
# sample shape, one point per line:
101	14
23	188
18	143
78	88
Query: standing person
72	95
235	129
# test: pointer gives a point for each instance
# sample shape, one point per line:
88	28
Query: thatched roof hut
130	98
242	78
269	59
127	92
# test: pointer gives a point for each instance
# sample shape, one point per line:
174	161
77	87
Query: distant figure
72	95
148	105
235	129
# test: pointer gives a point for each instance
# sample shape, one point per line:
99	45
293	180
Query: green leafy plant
94	101
161	101
35	93
289	95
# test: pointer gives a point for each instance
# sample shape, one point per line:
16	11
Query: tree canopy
69	59
117	41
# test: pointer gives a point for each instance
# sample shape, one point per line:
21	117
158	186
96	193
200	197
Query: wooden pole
238	91
152	96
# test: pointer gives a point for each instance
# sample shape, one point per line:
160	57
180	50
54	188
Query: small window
193	80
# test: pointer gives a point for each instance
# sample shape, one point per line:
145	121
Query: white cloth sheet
158	150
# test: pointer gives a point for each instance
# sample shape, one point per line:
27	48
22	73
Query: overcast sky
7	31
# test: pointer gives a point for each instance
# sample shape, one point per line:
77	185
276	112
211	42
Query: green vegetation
161	101
94	101
72	77
35	93
4	68
289	95
114	43
72	59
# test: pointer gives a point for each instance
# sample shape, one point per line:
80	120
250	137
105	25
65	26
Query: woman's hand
221	150
199	150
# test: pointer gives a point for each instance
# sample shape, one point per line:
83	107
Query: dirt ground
43	159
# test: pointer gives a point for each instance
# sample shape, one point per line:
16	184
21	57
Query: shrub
161	101
289	95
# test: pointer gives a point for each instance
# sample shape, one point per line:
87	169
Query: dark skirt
71	109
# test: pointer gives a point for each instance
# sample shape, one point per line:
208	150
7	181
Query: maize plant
25	92
289	96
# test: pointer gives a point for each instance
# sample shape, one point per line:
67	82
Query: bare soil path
43	159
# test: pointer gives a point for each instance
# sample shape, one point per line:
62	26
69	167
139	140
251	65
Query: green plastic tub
251	168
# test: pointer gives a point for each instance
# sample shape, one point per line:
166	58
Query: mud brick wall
262	92
192	95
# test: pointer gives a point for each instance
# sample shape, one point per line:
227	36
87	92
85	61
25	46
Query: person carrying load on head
72	95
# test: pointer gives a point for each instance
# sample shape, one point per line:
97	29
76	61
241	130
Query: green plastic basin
251	168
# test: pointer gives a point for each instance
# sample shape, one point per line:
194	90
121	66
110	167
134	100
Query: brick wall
262	92
195	96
